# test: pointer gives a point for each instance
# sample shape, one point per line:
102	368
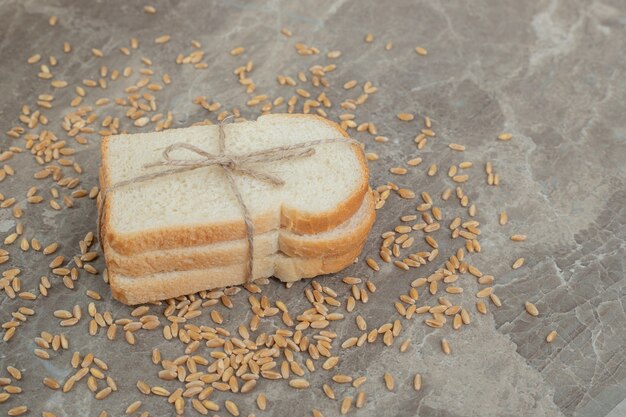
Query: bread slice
338	241
198	207
161	286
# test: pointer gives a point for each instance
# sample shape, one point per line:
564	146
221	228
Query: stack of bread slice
183	233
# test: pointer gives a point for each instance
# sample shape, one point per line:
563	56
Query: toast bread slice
195	208
161	286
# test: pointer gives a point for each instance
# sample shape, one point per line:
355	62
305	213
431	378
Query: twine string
232	165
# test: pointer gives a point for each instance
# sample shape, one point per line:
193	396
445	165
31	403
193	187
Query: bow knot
229	163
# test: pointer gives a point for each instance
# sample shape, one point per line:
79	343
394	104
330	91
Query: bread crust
130	243
163	286
231	252
298	245
184	259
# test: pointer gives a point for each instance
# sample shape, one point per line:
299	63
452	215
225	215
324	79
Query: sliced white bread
337	241
161	286
198	207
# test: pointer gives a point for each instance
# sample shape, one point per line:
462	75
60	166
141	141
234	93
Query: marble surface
550	72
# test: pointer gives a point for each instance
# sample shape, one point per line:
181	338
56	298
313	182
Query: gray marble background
550	72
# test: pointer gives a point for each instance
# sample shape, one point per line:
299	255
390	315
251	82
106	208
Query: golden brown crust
133	243
184	259
151	288
298	268
157	287
298	245
202	234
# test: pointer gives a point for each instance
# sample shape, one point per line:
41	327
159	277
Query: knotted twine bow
232	165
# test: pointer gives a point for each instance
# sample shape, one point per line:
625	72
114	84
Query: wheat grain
346	404
14	372
131	409
261	402
34	59
18	411
531	309
299	383
414	162
103	393
445	346
51	383
406	193
389	382
350	84
42	354
432	170
372	264
495	300
237	51
232	408
330	363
